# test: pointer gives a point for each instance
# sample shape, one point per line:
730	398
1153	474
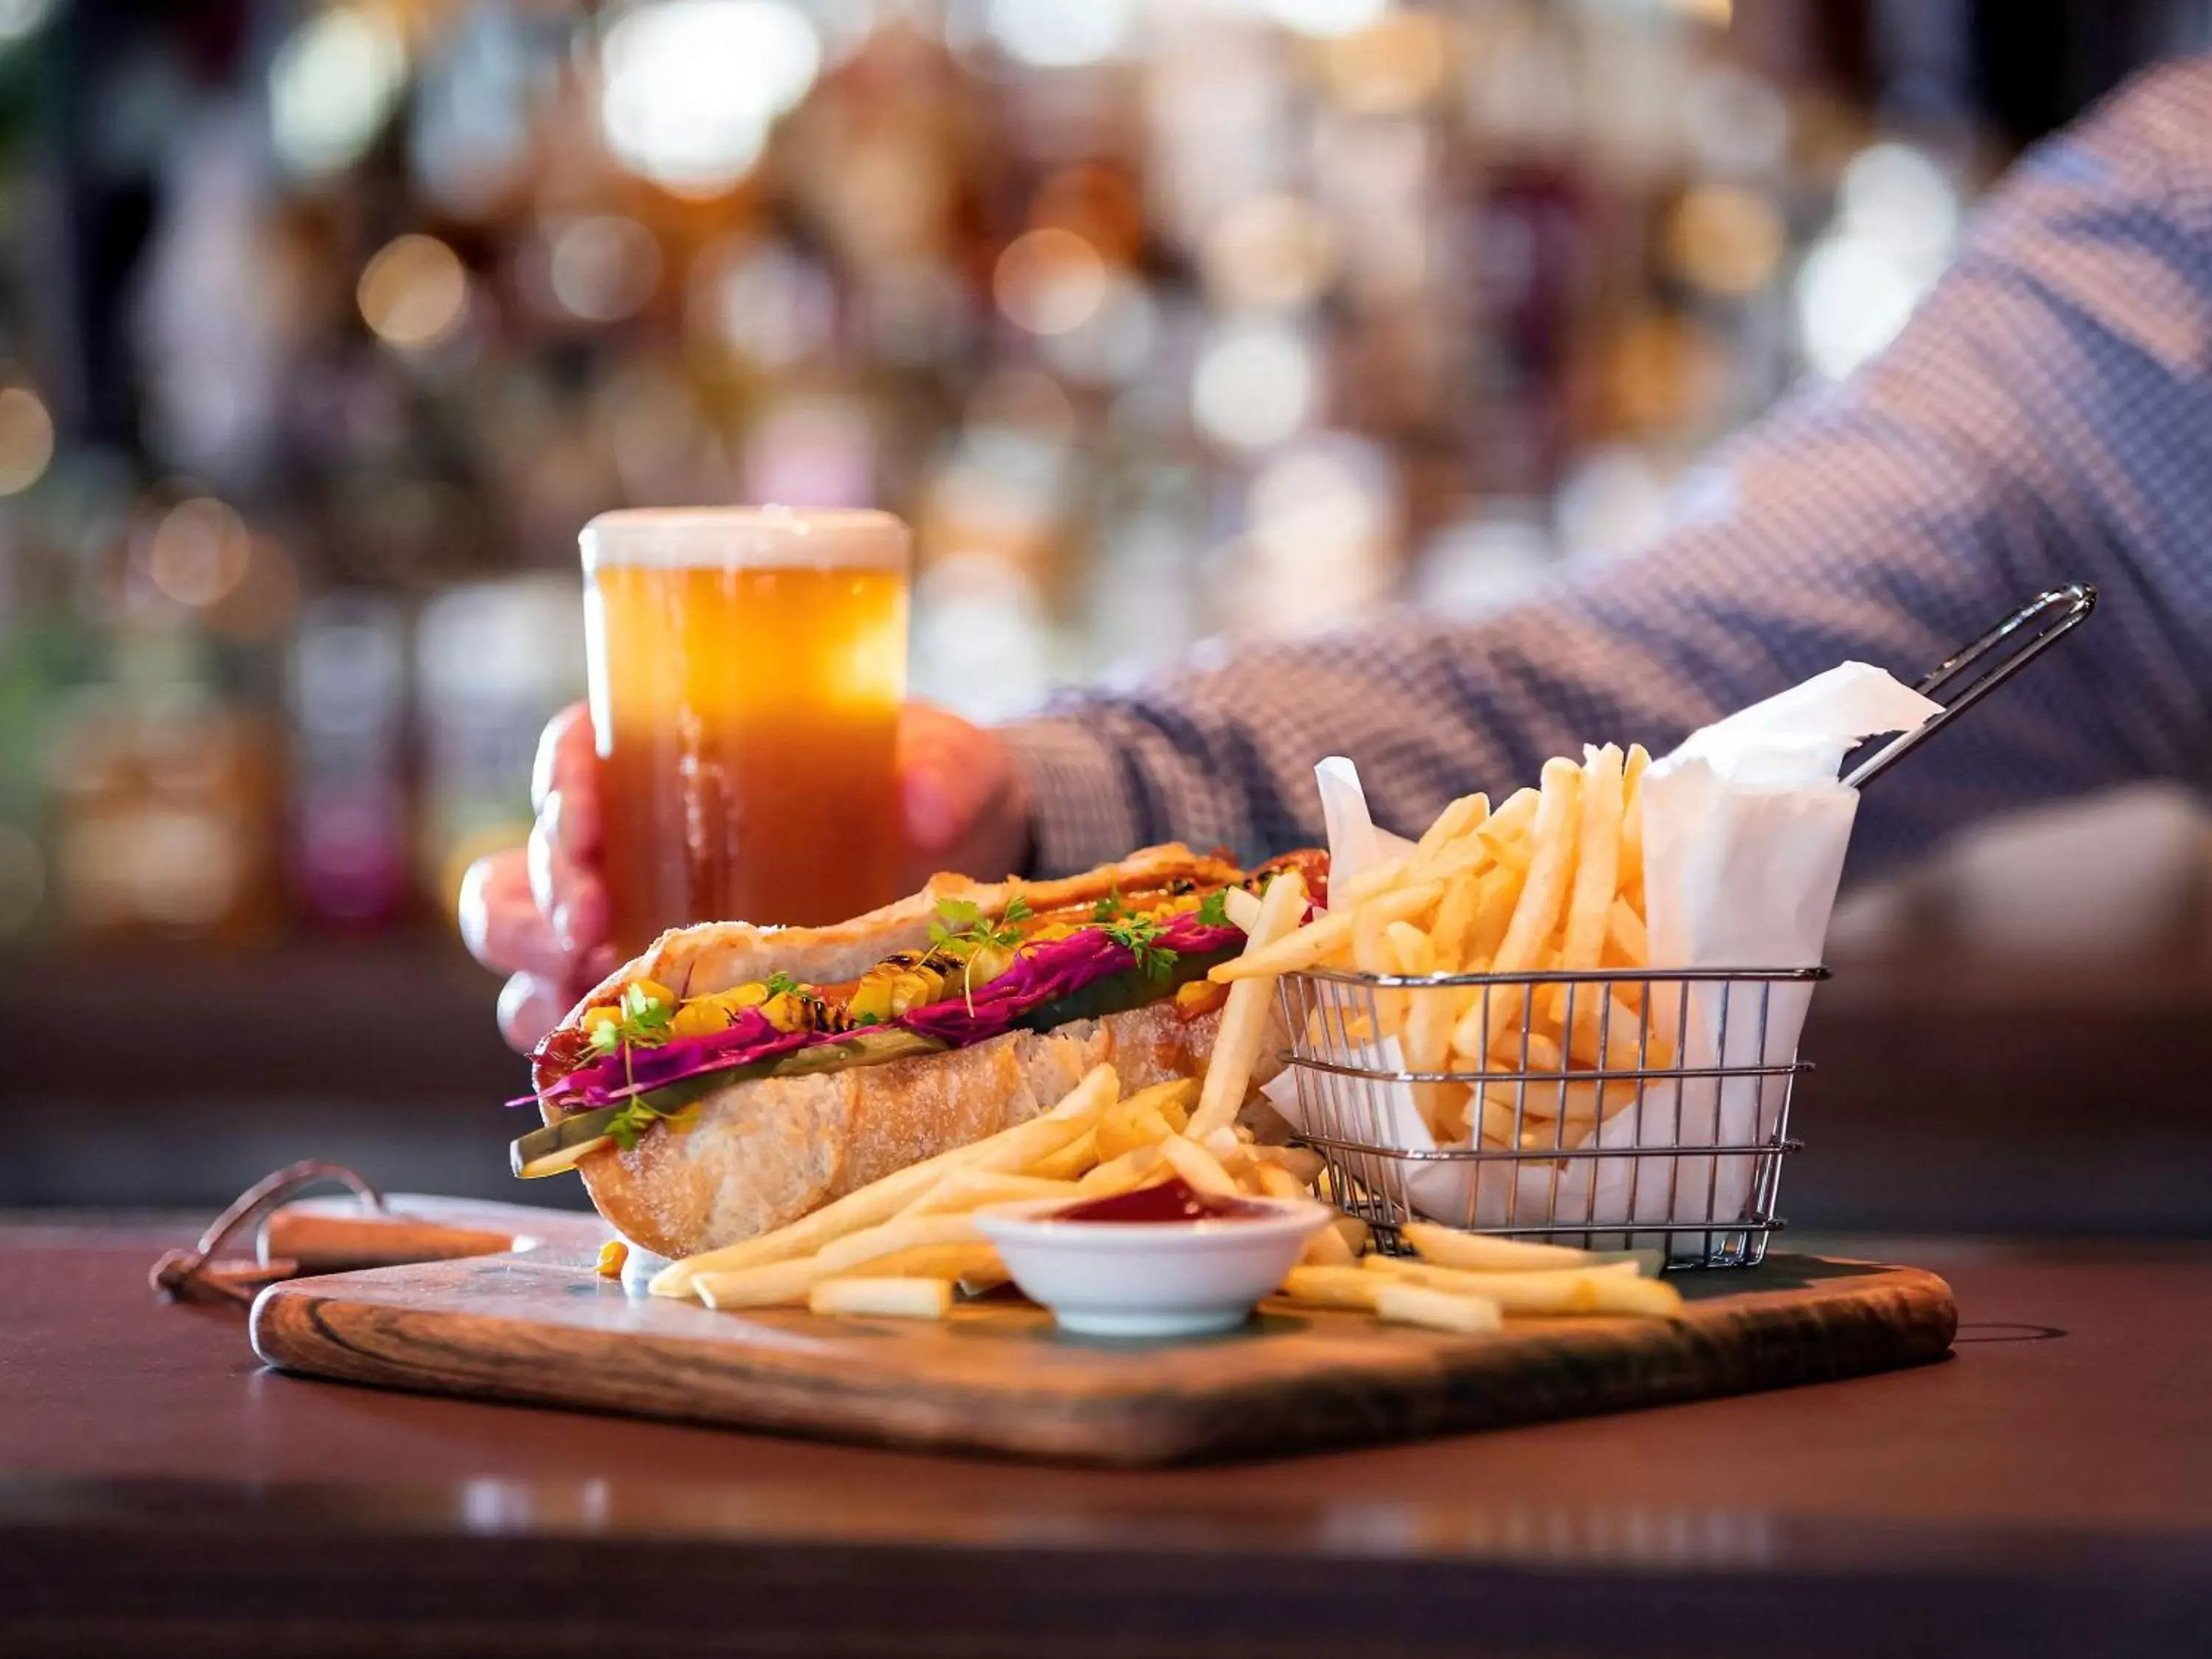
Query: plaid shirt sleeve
2046	416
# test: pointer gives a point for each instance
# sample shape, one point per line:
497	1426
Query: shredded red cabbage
1045	973
748	1038
1041	973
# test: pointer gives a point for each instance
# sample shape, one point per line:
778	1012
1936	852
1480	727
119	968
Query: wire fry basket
1648	1109
1662	1123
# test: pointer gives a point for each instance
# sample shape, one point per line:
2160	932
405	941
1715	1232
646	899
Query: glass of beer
746	667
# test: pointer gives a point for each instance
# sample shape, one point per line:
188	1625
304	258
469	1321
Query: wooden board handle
318	1241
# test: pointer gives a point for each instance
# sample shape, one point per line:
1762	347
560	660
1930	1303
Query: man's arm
2045	417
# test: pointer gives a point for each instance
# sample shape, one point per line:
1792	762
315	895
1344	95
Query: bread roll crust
766	1152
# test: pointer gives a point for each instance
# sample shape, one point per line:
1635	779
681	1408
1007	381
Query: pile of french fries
908	1246
905	1244
1553	879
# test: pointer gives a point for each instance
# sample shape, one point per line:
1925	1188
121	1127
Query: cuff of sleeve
1080	814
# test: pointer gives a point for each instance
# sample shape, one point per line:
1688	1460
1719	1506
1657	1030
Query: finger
569	895
500	922
571	815
529	1006
566	757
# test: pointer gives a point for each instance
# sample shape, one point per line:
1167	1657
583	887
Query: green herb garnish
1214	909
962	928
636	1117
643	1023
1139	936
781	984
1110	907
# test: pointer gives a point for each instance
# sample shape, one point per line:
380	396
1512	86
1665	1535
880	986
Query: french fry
1429	1016
1244	1021
1447	1247
1628	944
893	1235
1462	817
971	1189
1512	821
1455	919
1140	1167
1631	825
1197	1166
1597	873
1173	1099
1332	1287
1369	883
1275	1182
1323	936
1327	1248
1009	1150
1355	1233
1613	1289
1436	1311
882	1298
1226	1146
778	1284
1242	909
945	1261
1304	1163
1536	914
1129	1124
1608	1035
1071	1162
1493	915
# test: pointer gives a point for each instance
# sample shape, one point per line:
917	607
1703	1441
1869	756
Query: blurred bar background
325	326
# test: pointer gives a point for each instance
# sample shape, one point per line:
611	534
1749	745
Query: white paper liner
1745	830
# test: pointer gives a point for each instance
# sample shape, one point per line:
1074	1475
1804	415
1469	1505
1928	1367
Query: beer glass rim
738	537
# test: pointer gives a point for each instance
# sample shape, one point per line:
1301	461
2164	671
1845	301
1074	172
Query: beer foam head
743	537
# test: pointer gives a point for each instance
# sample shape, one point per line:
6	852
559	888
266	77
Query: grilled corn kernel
805	1010
904	980
988	963
698	1016
613	1255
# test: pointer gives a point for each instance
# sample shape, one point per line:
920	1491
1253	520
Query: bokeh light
1048	282
693	86
413	292
331	87
1324	529
26	440
1274	252
601	267
1896	222
1326	18
1725	239
19	18
1254	384
767	303
199	552
1061	33
1393	67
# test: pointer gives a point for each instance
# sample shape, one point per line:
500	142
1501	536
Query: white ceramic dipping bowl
1149	1278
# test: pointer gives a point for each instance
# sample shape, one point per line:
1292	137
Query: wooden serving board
540	1326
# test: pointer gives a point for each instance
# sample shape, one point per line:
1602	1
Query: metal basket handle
2046	619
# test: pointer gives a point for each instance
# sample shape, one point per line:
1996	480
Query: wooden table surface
2047	1490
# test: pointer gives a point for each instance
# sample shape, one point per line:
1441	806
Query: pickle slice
559	1144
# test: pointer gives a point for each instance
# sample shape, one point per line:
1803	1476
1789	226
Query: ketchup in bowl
1172	1200
1161	1268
